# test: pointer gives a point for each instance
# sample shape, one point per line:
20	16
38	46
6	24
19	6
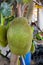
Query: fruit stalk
2	20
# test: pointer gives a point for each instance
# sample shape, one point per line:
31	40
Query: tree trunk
19	10
14	60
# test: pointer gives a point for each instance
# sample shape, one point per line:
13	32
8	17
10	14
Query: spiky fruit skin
20	36
3	36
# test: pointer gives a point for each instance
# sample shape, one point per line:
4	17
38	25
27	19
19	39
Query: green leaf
38	37
27	1
6	9
33	48
19	1
23	1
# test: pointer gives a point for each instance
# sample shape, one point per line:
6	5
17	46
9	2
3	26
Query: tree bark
14	60
19	10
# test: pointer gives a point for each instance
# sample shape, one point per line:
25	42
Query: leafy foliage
23	1
5	9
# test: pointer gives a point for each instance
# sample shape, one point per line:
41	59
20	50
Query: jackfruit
3	36
20	36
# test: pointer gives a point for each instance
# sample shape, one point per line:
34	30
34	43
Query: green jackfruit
20	36
3	36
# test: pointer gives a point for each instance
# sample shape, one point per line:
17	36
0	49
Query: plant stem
2	20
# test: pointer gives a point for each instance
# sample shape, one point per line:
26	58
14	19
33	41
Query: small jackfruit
3	36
